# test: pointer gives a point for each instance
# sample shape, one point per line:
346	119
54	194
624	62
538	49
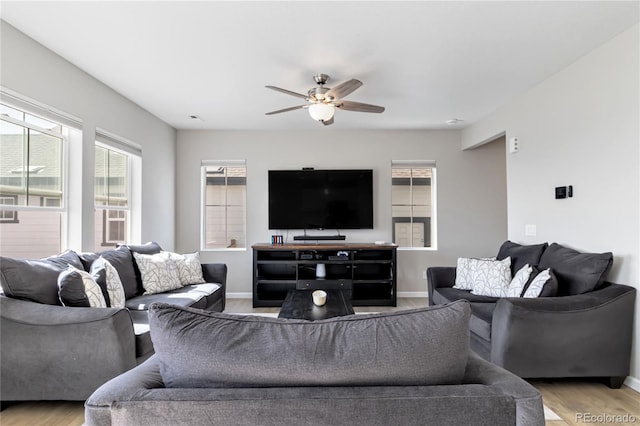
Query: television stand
366	272
306	237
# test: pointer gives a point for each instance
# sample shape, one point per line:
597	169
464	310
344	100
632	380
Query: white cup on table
319	297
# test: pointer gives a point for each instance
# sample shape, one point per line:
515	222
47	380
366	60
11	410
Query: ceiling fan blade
327	122
286	109
359	106
288	92
343	89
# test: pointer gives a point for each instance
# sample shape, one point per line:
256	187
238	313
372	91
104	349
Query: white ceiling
426	62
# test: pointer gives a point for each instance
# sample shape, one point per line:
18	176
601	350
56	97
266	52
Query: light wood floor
569	399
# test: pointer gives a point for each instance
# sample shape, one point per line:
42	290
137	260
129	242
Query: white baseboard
239	295
410	294
407	294
633	383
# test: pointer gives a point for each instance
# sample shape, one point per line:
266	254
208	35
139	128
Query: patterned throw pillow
158	272
189	267
538	283
519	281
465	270
77	288
106	275
491	277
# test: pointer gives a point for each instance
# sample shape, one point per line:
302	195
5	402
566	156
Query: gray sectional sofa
409	367
55	352
582	328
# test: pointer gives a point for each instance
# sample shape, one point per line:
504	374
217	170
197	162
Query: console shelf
366	272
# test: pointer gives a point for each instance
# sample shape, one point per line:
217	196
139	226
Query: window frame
203	203
107	223
68	129
3	210
417	164
64	161
105	209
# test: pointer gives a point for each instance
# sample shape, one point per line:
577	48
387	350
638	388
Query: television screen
320	199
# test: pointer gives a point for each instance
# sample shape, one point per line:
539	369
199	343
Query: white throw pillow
465	270
106	275
535	288
189	267
519	281
492	277
158	272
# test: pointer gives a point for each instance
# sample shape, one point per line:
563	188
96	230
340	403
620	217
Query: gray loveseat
405	368
55	352
582	328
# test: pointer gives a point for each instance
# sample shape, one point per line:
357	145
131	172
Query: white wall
580	127
471	189
32	70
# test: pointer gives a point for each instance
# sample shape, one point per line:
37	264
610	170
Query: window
112	189
32	182
6	215
413	203
224	195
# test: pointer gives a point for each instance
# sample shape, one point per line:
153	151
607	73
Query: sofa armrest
61	353
125	387
529	410
588	333
440	276
215	273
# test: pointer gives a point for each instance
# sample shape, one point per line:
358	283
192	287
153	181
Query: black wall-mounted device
564	192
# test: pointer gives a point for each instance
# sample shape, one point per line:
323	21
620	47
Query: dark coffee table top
299	304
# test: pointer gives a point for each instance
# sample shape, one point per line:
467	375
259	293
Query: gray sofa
581	329
404	368
55	352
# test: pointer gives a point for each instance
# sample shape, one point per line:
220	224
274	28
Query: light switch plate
530	230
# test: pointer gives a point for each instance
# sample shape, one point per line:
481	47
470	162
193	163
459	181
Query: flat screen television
321	199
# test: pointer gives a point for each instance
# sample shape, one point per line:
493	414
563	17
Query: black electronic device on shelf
319	237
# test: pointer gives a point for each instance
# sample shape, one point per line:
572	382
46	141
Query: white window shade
414	163
117	142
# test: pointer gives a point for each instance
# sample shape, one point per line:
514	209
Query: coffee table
299	304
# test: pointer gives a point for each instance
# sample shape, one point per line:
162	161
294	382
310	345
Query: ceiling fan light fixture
321	112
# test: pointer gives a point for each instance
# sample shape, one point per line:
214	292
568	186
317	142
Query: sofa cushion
492	277
519	281
183	296
122	260
148	248
77	288
212	292
109	281
450	294
481	317
521	255
541	284
35	280
576	272
199	349
144	345
189	267
158	272
465	272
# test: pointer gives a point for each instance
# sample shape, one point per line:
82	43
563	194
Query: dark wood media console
365	272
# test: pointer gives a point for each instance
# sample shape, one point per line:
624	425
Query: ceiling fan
323	101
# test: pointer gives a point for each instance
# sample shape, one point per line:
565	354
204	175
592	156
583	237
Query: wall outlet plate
530	230
514	145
